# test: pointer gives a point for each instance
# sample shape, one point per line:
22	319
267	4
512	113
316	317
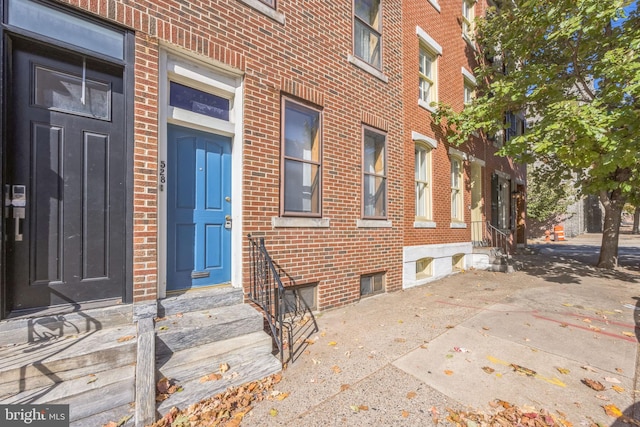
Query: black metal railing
266	289
484	234
286	313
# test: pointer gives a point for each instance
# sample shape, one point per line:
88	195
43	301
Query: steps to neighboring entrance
91	371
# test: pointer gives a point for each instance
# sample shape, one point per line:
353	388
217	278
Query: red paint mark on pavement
609	334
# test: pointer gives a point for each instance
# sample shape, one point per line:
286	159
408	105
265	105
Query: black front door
64	179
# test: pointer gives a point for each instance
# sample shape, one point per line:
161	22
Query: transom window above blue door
197	101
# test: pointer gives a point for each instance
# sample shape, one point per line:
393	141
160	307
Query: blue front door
198	208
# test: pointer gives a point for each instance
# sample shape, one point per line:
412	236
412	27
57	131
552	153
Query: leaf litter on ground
224	409
507	415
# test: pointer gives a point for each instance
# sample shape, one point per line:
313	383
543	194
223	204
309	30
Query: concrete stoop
492	259
91	359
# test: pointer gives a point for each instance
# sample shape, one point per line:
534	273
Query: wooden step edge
38	328
202	367
215	349
194	391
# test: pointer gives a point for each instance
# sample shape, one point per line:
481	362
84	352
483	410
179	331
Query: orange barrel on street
558	233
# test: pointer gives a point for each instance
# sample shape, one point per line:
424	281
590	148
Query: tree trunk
636	221
613	203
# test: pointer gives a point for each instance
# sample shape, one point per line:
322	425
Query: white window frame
457	187
424	179
428	74
469	88
429	45
468	17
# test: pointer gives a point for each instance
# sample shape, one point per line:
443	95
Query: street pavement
533	338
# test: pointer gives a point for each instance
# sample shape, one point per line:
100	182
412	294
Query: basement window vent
300	298
371	284
457	262
424	268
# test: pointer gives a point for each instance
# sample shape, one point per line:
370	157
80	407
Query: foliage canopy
573	67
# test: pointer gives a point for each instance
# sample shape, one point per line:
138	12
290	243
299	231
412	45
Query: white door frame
223	81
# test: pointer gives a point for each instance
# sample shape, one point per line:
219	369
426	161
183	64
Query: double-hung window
302	159
375	174
470	83
429	51
468	15
423	182
367	31
456	190
427	71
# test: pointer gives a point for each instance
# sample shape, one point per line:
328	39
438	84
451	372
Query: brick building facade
262	62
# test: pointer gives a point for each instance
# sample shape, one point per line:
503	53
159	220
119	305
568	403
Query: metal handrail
266	289
499	239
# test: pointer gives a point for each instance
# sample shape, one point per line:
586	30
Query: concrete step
60	325
193	329
195	363
243	369
200	299
27	366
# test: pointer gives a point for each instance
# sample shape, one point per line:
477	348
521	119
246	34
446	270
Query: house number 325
162	174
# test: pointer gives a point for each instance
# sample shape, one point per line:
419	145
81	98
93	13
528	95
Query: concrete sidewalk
529	338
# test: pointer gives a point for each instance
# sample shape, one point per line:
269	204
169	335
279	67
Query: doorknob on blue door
228	199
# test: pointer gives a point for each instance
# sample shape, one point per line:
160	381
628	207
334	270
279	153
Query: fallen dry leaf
281	396
363	407
405	414
224	367
273	412
336	369
617	388
612	380
163	328
563	371
522	370
400	340
612	411
629	334
586	320
309	341
448	372
344	387
411	395
597	386
210	377
163	385
126	338
332	343
488	369
589	368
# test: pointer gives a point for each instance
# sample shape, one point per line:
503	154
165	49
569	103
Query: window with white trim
427	70
456	189
423	182
302	159
367	31
468	16
429	51
375	174
469	92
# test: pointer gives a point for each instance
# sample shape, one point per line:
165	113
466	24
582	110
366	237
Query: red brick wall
446	29
306	57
